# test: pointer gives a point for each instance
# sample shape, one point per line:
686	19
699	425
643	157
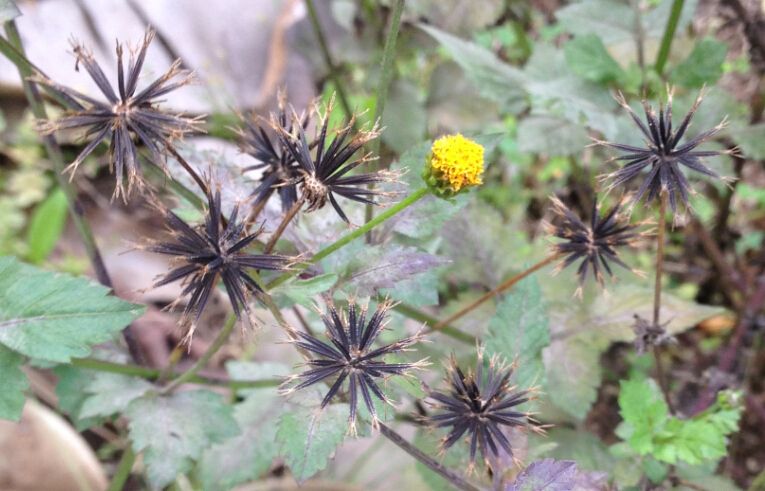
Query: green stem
14	47
324	47
386	77
345	240
669	35
155	374
203	360
660	239
431	322
123	470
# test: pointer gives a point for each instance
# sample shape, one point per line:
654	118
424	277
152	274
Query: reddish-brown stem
283	225
660	239
502	287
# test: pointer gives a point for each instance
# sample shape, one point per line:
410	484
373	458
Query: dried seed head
455	164
648	335
260	139
350	355
127	115
597	244
212	251
663	154
479	405
325	168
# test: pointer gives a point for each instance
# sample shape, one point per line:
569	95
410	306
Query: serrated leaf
588	57
173	431
534	136
308	438
494	79
614	21
383	268
405	118
582	330
643	409
703	66
546	475
55	317
8	10
249	455
14	383
519	330
750	139
110	393
557	91
71	394
46	225
303	292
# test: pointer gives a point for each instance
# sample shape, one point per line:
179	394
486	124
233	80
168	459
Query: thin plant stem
187	167
175	357
122	474
291	213
13	45
348	238
669	35
660	239
455	479
502	287
327	55
257	209
386	77
431	322
203	360
154	374
155	171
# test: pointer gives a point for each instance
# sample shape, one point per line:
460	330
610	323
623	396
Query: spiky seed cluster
479	405
280	171
125	116
325	170
455	163
349	355
211	251
663	154
596	245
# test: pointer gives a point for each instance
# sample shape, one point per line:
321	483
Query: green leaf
643	409
70	390
111	393
534	136
46	225
750	139
405	118
13	386
248	456
613	22
581	331
8	10
303	292
496	80
519	330
649	430
557	91
703	66
55	317
173	431
587	57
307	438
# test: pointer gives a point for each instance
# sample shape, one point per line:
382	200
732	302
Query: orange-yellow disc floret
456	162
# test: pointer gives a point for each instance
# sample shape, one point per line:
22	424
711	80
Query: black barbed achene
211	251
281	173
479	405
125	115
325	172
350	355
595	244
663	154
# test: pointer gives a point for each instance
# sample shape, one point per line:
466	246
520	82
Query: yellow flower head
455	163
